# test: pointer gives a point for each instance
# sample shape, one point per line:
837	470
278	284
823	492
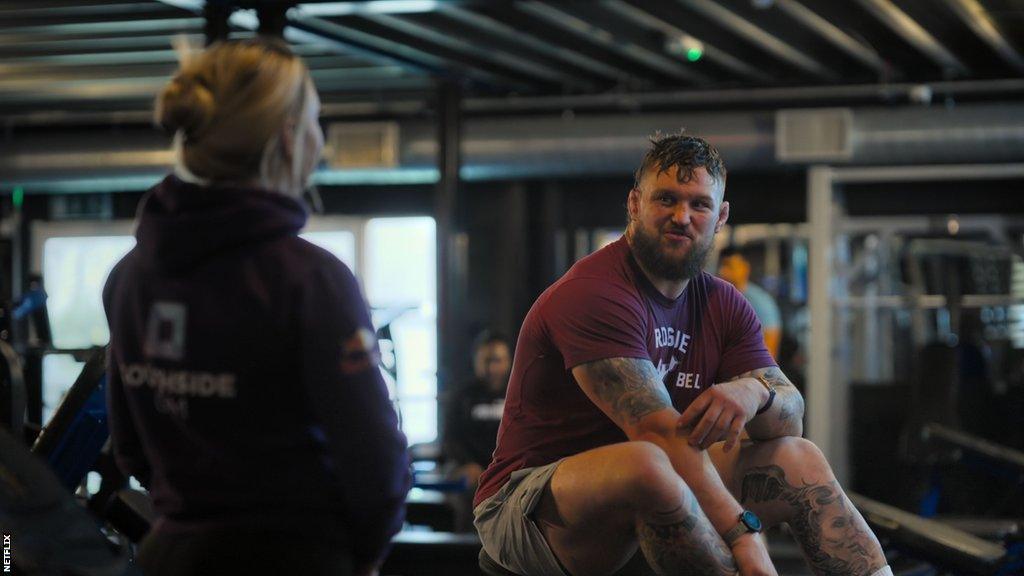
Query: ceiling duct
939	134
362	145
814	135
566	145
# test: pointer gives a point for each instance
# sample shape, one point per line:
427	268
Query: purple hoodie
244	390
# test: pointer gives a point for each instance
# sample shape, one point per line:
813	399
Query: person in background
734	268
244	389
472	416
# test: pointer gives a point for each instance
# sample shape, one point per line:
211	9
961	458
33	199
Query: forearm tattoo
689	546
788	404
629	386
835	539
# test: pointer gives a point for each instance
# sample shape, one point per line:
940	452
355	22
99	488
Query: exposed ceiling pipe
784	97
704	100
554	146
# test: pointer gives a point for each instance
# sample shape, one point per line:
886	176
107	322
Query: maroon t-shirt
605	307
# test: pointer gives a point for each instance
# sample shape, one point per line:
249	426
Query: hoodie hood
181	224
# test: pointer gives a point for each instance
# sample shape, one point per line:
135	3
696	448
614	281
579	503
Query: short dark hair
488	337
686	153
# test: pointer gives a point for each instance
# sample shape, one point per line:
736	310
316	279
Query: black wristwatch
749	522
771	394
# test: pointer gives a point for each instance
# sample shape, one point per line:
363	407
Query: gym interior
476	150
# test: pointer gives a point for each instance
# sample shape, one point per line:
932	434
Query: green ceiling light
685	46
18	197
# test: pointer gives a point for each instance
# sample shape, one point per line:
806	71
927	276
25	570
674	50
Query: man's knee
650	484
801	459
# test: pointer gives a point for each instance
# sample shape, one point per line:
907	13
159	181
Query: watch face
751	520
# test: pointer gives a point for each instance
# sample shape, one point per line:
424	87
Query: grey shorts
507	529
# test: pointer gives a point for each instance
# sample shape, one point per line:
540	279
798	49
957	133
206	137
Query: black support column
450	271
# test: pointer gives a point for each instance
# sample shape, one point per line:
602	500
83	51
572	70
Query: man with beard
634	376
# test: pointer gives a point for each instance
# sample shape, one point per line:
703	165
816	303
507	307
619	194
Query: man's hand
751	556
721	412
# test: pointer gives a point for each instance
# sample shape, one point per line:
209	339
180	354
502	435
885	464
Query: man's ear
633	203
723	216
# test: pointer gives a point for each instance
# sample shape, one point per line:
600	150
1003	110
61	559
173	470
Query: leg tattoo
835	539
684	541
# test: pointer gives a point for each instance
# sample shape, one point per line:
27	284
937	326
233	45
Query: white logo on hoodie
165	331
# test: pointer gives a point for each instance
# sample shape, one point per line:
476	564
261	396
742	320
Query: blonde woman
243	385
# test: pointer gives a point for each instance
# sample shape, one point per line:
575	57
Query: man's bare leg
683	541
601	504
788	480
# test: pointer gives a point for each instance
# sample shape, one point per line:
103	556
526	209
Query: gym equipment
637	566
50	533
12	390
1000	464
74	442
130	512
73	438
943	546
429	509
423	553
968	442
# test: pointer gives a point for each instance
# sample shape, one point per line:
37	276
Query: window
396	264
401	284
59	372
75	259
341	243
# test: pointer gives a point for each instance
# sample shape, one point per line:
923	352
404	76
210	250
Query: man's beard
656	260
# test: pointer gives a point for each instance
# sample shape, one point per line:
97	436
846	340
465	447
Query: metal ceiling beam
394	52
58	12
304	29
888	94
851	46
145	88
35	72
759	37
501	30
333	9
470	49
712	53
914	34
132	89
29	33
978	19
101	43
411	105
41	82
79	45
92	59
609	41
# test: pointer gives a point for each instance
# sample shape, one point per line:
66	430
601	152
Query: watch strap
742	527
735	532
771	394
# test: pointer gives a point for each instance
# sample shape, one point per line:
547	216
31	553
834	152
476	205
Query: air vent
362	145
813	135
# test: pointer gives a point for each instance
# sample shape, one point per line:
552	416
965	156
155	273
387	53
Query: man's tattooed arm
786	416
626	389
632	394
